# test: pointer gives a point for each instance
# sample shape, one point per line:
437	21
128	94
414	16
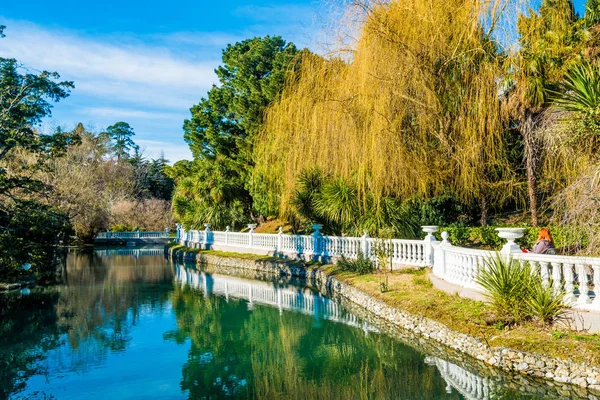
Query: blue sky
144	62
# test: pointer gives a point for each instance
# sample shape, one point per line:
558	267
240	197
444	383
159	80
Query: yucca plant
506	284
545	303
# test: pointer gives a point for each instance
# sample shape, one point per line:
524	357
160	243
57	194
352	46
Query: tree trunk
484	211
531	154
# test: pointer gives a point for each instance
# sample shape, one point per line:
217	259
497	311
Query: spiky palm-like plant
506	284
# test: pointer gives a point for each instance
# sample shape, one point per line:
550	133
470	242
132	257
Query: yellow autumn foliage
414	112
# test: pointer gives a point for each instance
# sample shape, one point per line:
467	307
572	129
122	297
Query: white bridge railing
315	246
578	277
132	235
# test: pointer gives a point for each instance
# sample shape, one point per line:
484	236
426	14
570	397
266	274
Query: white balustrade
132	235
403	252
578	277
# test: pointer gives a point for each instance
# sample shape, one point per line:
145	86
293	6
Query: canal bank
556	371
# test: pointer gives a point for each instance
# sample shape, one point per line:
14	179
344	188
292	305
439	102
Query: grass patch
412	291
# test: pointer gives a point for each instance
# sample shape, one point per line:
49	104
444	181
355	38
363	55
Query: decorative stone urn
317	227
511	234
252	227
430	230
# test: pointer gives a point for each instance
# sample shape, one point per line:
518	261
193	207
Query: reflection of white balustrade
130	252
290	297
468	384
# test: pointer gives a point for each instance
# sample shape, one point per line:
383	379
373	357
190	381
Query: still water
130	325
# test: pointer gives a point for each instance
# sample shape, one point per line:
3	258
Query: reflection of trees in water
263	354
104	296
92	313
28	328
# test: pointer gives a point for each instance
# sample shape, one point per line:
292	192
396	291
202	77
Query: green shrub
567	239
545	303
506	285
517	291
121	228
362	265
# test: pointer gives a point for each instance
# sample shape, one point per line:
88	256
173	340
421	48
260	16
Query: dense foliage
214	187
30	227
70	184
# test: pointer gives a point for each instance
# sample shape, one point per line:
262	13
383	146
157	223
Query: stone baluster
584	297
364	244
569	286
596	280
227	229
251	235
316	236
207	240
280	240
556	277
545	273
439	256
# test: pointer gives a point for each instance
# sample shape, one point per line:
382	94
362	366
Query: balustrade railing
402	252
132	235
578	277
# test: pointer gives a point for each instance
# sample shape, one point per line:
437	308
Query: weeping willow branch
424	118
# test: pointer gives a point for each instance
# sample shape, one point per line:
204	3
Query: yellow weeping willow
416	112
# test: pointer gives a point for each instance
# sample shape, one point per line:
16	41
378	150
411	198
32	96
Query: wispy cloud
124	113
172	151
115	69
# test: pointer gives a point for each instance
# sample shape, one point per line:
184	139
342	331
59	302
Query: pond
129	324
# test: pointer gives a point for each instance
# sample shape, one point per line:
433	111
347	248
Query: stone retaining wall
555	371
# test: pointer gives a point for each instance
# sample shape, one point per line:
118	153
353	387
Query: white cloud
113	69
173	151
124	113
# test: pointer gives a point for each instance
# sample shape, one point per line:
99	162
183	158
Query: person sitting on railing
544	244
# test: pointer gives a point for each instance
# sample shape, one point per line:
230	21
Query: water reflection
256	349
126	323
282	296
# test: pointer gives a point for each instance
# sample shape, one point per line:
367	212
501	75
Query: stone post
429	240
364	245
251	235
511	234
227	236
280	240
206	235
316	240
439	256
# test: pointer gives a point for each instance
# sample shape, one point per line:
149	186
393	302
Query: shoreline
550	370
